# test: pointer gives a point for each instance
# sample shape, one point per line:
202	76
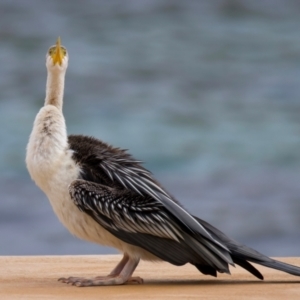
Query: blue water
205	92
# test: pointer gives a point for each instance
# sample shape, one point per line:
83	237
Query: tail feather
206	270
278	265
242	255
247	266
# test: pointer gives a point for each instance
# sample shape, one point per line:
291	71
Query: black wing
125	199
144	222
110	173
115	168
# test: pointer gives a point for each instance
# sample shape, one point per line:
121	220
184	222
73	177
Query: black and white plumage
103	195
117	192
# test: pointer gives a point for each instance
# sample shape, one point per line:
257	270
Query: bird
103	195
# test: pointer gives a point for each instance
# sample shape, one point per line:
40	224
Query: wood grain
35	277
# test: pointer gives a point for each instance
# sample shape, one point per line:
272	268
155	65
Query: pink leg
119	275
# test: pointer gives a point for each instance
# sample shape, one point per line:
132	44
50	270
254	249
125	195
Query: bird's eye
64	51
50	51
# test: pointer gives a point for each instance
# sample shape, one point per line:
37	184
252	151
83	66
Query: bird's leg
119	267
119	275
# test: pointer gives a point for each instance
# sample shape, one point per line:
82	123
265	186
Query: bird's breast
47	147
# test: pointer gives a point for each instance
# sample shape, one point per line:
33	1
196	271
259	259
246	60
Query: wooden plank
35	277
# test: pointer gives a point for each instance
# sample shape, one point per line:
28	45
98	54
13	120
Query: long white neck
55	88
48	141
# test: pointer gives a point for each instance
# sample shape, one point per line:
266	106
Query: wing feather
134	177
116	206
141	227
110	173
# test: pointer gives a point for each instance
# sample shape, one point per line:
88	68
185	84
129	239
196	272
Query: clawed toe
73	280
100	280
135	280
77	281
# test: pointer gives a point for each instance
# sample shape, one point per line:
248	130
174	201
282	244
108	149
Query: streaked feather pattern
134	219
124	211
111	171
123	197
115	168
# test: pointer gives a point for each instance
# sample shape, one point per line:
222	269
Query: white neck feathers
55	88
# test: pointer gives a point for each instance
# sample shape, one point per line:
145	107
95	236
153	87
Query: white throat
55	88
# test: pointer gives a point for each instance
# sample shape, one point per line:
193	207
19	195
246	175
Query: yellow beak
57	54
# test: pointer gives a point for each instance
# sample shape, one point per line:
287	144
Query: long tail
241	254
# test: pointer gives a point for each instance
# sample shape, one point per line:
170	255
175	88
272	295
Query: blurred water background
205	92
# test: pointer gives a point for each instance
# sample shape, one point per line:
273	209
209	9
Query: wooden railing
35	277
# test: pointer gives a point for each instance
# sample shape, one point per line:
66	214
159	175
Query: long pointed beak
57	55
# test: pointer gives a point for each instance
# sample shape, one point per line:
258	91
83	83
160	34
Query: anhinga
103	195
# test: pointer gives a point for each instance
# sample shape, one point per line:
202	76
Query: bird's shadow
217	282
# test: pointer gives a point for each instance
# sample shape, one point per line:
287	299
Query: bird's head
57	57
